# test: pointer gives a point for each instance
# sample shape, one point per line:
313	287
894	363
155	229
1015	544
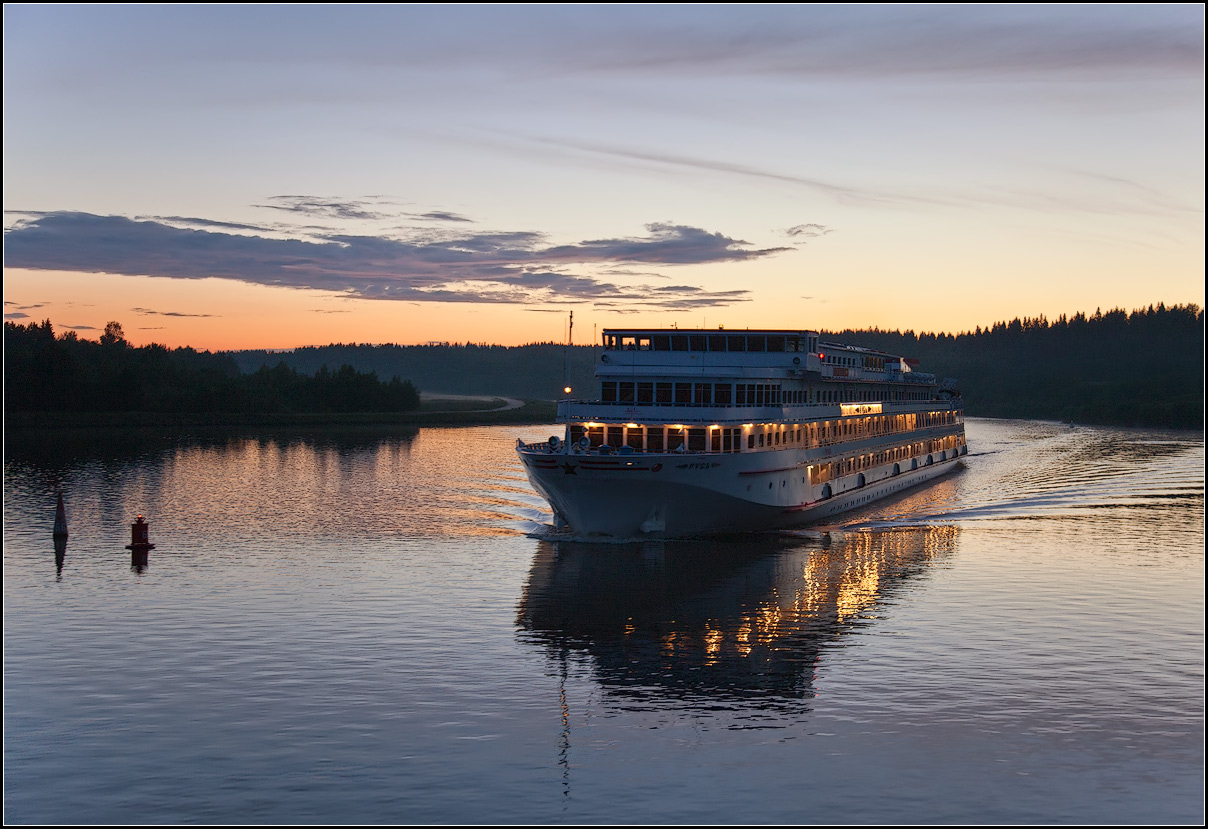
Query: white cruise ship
709	431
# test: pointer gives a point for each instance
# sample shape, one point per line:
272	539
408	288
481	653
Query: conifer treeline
1144	368
1140	369
529	372
45	373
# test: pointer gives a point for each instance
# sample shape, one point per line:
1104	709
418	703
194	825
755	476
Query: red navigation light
821	356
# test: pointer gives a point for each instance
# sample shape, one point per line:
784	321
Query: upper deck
748	354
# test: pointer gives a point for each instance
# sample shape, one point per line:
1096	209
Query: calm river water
363	628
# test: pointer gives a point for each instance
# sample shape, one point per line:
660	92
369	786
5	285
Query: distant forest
1140	369
45	373
1144	368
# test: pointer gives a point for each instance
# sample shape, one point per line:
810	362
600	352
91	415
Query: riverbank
436	411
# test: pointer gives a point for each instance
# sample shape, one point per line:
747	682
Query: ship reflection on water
731	619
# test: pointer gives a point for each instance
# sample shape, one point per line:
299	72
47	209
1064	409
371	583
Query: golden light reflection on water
721	616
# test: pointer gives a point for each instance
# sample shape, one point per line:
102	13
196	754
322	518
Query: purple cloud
510	267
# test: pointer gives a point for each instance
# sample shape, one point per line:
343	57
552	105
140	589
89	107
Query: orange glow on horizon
225	314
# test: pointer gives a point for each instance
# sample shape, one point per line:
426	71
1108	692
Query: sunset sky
273	176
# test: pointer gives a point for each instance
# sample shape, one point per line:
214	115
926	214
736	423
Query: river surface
369	628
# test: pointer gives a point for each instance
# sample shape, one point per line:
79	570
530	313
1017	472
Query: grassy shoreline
533	411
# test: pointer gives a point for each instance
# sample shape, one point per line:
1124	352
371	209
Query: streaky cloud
443	216
952	42
1123	200
150	312
844	194
809	231
191	221
327	208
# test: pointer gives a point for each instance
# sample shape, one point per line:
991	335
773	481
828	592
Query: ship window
596	435
715	440
628	343
610	342
721	394
679	342
704	394
761	439
717	342
661	342
696	440
608	392
633	437
756	343
645	392
625	392
614	436
696	342
775	343
643	343
654	439
750	441
737	343
662	392
683	393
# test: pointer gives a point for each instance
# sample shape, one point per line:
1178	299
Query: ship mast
570	341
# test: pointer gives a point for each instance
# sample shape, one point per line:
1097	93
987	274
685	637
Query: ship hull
672	496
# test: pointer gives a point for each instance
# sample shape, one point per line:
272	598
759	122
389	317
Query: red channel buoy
138	536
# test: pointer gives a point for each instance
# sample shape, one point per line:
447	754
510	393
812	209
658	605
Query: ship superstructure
704	431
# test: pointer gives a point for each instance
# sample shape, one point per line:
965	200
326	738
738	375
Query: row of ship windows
822	473
776	343
862	361
740	394
732	439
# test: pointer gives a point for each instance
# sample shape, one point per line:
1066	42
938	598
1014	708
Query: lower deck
630	493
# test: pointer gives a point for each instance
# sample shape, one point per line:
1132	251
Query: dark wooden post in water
60	518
